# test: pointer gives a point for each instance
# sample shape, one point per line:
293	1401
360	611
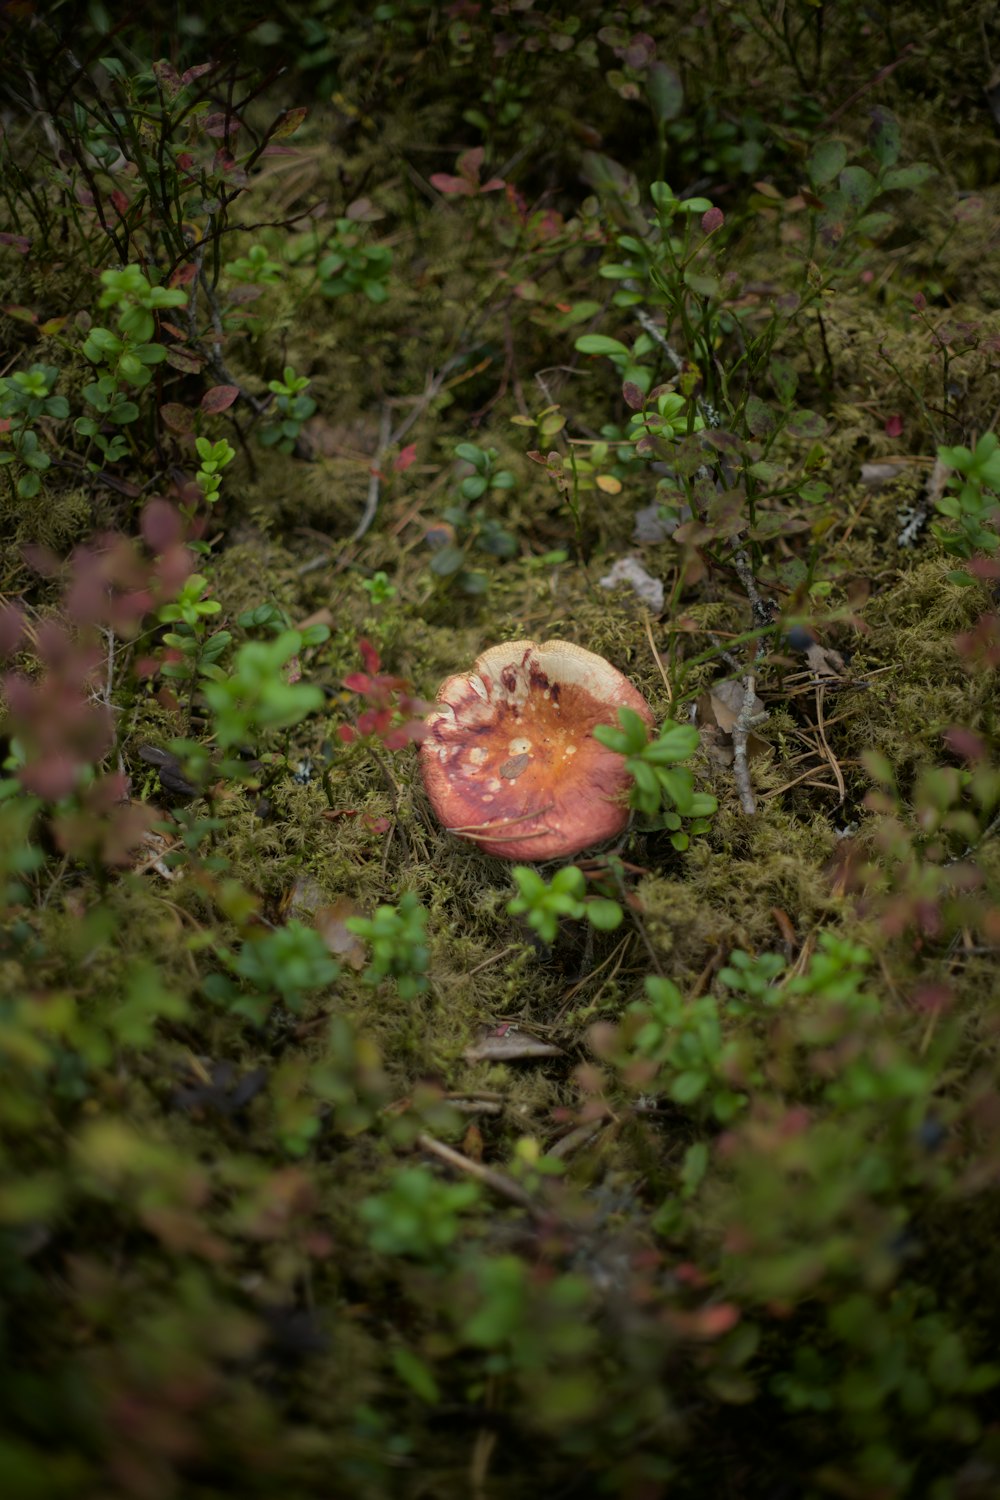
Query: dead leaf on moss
308	902
718	711
330	922
508	1044
825	662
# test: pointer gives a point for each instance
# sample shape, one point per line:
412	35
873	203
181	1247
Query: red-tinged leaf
171	328
404	458
198	71
220	126
20	314
177	418
632	396
52	325
376	825
452	187
273	149
293	670
167	75
11	628
219	398
119	201
712	220
181	359
495	185
363	211
184	275
347	735
414	732
470	163
185	162
964	742
161	523
894	426
5	424
288	123
357	682
369	655
18	242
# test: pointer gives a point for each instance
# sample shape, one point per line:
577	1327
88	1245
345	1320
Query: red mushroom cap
510	761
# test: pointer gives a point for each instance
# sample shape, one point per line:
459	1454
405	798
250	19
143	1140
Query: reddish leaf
470	163
177	418
452	186
184	274
712	220
18	242
182	359
894	426
220	126
11	628
198	71
119	201
219	398
369	655
404	458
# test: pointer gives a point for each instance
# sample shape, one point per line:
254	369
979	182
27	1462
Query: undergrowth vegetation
336	1156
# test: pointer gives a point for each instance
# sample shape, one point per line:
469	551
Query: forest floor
338	1155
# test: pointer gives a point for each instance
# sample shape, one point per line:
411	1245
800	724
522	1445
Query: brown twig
497	1182
834	764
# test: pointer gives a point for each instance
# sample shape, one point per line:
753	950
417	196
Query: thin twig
498	1182
747	720
656	658
821	730
375	476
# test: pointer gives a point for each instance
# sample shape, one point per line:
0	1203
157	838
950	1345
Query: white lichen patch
519	746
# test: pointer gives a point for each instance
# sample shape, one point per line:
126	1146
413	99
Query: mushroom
510	760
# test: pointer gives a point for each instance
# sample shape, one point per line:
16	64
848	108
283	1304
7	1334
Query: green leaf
687	1087
883	137
665	93
905	177
858	186
447	561
470	454
873	225
416	1374
599	343
603	914
827	159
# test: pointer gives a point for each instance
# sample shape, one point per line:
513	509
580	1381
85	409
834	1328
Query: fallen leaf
874	475
508	1044
330	922
718	710
824	661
